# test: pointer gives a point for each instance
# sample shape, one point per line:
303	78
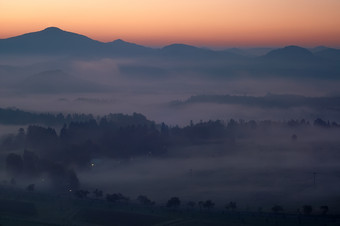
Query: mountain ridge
53	40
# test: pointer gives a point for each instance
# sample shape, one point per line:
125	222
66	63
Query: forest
45	150
65	156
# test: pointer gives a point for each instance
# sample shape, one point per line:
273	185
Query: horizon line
203	46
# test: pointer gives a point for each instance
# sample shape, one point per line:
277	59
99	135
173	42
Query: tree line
118	136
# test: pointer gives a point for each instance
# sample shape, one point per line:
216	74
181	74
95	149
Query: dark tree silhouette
20	137
116	197
98	193
81	194
200	204
62	178
31	164
321	123
208	204
30	187
14	164
173	202
324	210
191	204
231	206
307	209
145	200
277	209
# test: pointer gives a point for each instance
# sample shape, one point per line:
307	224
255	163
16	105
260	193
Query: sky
214	23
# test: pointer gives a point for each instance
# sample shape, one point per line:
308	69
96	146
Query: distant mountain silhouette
53	40
287	61
267	101
192	52
250	51
290	53
329	53
183	49
57	81
126	48
48	41
318	48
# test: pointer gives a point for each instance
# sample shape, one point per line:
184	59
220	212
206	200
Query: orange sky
198	22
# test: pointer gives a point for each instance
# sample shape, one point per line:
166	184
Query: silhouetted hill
253	52
318	48
290	61
48	41
192	52
126	48
57	81
53	40
329	53
290	53
185	51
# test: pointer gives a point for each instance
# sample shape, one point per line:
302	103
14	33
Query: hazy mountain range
56	61
267	101
53	40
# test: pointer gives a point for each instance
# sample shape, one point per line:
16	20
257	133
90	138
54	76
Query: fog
148	85
260	169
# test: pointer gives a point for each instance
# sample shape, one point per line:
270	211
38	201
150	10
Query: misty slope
57	81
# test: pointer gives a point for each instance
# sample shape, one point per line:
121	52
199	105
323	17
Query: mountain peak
52	29
290	53
119	41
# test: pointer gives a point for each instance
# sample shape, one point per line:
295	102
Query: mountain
57	81
53	40
267	101
48	41
184	49
329	53
191	52
126	48
252	52
317	49
290	53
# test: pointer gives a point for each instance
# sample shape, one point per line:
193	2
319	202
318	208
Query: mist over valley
255	126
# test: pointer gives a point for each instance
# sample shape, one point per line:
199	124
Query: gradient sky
198	22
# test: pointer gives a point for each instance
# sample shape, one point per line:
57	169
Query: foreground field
19	207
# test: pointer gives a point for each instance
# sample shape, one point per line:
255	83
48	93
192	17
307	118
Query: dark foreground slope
19	207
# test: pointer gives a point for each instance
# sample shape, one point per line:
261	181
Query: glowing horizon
214	23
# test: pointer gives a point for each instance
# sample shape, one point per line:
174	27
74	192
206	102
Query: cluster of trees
306	209
123	136
118	136
13	116
175	203
31	166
